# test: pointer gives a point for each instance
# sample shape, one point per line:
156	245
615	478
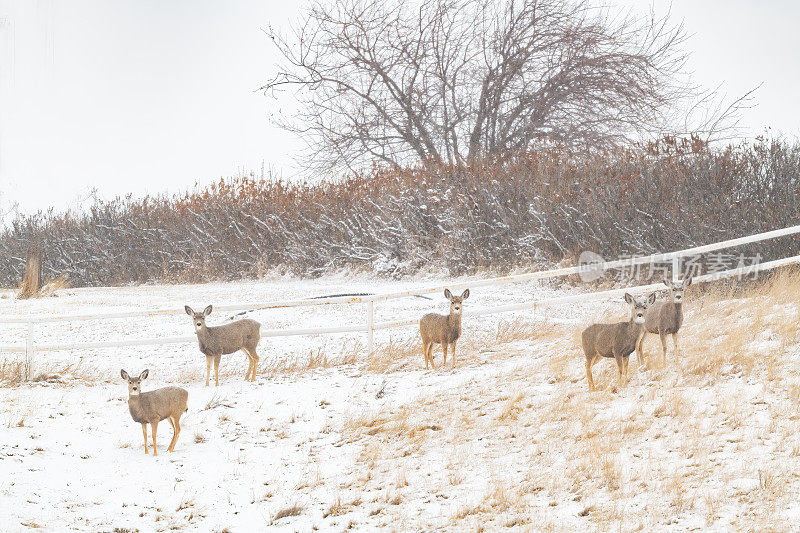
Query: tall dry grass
734	327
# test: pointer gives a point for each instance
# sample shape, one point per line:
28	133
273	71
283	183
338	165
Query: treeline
535	209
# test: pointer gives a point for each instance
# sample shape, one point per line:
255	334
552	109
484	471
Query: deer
442	329
216	341
617	340
154	406
665	318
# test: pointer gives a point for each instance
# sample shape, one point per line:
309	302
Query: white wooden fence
30	347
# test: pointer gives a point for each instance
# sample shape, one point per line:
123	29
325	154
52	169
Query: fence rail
503	280
370	326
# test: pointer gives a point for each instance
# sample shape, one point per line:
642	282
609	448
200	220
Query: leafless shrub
12	372
537	208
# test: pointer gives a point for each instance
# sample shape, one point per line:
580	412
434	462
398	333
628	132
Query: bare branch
455	80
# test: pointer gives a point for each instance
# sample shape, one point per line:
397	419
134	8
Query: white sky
150	96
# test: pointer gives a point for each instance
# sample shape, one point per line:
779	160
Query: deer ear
143	375
628	298
651	299
207	311
465	294
448	294
188	310
124	375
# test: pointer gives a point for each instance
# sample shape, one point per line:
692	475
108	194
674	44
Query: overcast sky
150	96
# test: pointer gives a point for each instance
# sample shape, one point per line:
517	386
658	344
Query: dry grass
394	355
512	407
514	329
674	405
12	372
669	442
317	359
51	288
579	446
337	508
742	316
294	510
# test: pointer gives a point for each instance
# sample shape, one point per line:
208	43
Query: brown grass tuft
294	510
51	288
512	407
12	372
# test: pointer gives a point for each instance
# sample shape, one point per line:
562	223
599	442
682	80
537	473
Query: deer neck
135	407
634	329
454	321
676	309
678	313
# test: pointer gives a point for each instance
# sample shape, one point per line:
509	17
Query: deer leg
144	432
625	361
249	364
430	356
176	428
663	347
425	354
171	442
675	343
589	362
209	359
444	349
620	370
640	349
216	370
254	355
154	425
454	354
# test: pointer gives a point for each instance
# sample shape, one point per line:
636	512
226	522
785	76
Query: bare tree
450	80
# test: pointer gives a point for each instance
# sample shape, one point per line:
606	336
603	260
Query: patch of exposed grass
293	510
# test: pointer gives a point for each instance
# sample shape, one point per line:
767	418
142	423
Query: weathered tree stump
31	285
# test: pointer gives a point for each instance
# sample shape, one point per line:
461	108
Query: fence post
676	268
370	323
29	349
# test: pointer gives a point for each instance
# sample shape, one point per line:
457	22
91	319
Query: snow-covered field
329	437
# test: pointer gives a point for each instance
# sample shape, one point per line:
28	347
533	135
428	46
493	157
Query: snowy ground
334	438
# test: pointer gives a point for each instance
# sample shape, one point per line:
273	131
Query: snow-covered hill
331	437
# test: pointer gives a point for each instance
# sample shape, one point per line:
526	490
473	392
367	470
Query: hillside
511	437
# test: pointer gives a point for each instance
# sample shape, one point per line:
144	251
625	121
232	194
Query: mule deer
216	341
154	406
442	329
616	340
665	318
